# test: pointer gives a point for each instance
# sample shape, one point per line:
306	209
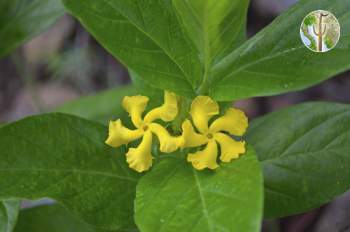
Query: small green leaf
215	29
304	151
101	107
175	197
64	158
51	218
8	214
276	61
21	20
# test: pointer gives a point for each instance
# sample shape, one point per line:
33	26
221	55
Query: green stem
184	106
204	87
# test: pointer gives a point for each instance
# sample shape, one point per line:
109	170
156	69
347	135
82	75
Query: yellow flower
140	158
234	122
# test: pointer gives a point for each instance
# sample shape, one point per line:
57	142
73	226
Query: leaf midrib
203	202
265	58
287	149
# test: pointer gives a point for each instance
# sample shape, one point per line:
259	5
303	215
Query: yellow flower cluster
203	108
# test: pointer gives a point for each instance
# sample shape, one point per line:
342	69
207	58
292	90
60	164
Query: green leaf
20	20
304	151
175	197
215	29
275	60
53	218
101	107
8	214
64	158
145	36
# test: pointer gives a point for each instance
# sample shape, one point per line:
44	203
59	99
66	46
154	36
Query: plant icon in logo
320	31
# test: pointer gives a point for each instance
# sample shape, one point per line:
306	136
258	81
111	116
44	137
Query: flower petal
166	112
119	135
140	158
230	148
190	137
135	105
205	158
167	142
202	109
233	121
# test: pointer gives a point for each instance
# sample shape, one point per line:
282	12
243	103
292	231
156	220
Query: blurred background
65	63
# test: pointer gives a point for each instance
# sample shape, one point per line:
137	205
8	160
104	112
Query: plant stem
184	105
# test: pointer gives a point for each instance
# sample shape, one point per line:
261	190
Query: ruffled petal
205	158
190	137
167	142
230	148
234	121
135	105
166	112
140	158
119	135
202	109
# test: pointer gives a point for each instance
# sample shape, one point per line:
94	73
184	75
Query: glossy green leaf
215	29
64	157
8	214
102	106
145	36
276	61
21	20
304	151
51	218
176	197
